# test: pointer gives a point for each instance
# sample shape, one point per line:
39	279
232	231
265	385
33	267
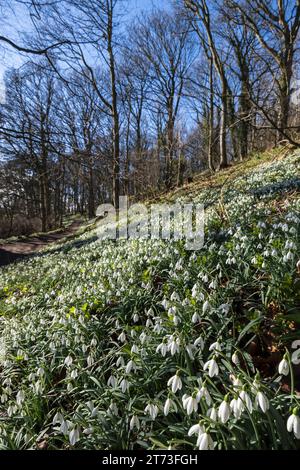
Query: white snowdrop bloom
94	342
69	387
224	411
162	349
212	414
74	436
64	427
191	404
122	337
176	320
74	374
204	393
206	307
262	401
289	256
152	410
237	407
131	366
134	349
224	308
199	342
293	424
20	397
58	418
90	361
284	368
215	347
175	297
84	348
168	405
134	423
212	367
88	431
173	346
205	442
175	383
112	381
120	361
135	318
68	361
235	358
143	338
165	304
196	318
172	311
213	284
196	429
246	400
149	323
124	385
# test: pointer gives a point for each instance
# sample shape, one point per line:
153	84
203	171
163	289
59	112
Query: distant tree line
105	106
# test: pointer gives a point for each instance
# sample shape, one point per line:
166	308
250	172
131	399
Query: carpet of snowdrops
142	344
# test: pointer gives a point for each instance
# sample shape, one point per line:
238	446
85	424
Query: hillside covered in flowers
144	345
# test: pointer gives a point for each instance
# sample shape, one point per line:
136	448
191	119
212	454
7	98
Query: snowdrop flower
293	424
152	410
168	405
262	401
236	406
149	323
20	397
216	347
135	318
224	411
196	429
58	418
190	404
212	367
124	385
205	442
64	427
122	337
212	414
175	383
112	381
74	436
131	366
235	358
175	297
68	361
204	393
284	367
206	307
134	423
199	342
134	349
196	318
173	346
246	400
120	362
162	349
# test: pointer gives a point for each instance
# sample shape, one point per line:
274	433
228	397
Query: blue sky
13	24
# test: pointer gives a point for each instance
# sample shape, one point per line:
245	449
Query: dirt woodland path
11	252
